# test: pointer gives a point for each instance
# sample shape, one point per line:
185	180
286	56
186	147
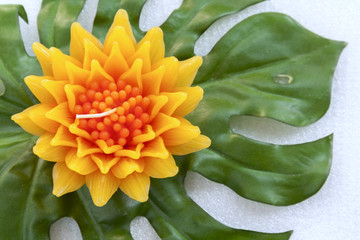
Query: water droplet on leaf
283	79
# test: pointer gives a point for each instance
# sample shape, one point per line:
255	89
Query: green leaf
186	24
54	21
15	64
239	78
107	10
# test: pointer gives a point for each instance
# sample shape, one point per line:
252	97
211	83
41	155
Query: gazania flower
112	115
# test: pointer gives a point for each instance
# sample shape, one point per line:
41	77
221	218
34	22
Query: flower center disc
121	126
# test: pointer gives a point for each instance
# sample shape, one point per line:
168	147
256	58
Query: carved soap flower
112	115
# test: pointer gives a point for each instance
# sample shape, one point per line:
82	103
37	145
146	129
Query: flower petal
122	20
35	85
37	115
65	180
92	52
59	61
188	70
26	123
142	53
131	153
83	166
181	134
174	101
72	91
133	75
157	46
116	64
101	187
64	138
46	151
160	168
163	123
171	65
119	35
44	58
77	42
156	103
194	96
61	114
77	75
194	145
136	186
155	148
56	89
98	74
148	134
126	166
106	149
104	161
74	129
152	80
86	147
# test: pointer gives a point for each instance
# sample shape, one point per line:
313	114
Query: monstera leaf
266	66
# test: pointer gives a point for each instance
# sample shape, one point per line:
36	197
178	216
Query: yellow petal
72	91
35	85
188	70
98	74
44	150
64	138
101	187
77	42
37	115
106	149
126	44
133	75
152	80
65	180
61	114
194	145
86	147
116	64
136	186
171	65
126	166
142	53
156	103
155	148
194	96
104	162
131	153
148	134
83	166
44	58
77	75
174	101
122	20
74	129
157	46
56	89
163	123
160	168
26	123
92	52
180	135
59	61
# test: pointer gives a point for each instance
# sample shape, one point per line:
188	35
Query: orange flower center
128	118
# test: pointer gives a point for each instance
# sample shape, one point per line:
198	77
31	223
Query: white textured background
334	212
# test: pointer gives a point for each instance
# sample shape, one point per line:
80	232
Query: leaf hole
141	229
65	228
275	132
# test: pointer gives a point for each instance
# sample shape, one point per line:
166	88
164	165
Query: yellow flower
112	115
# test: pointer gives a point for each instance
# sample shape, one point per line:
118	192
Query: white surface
333	213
